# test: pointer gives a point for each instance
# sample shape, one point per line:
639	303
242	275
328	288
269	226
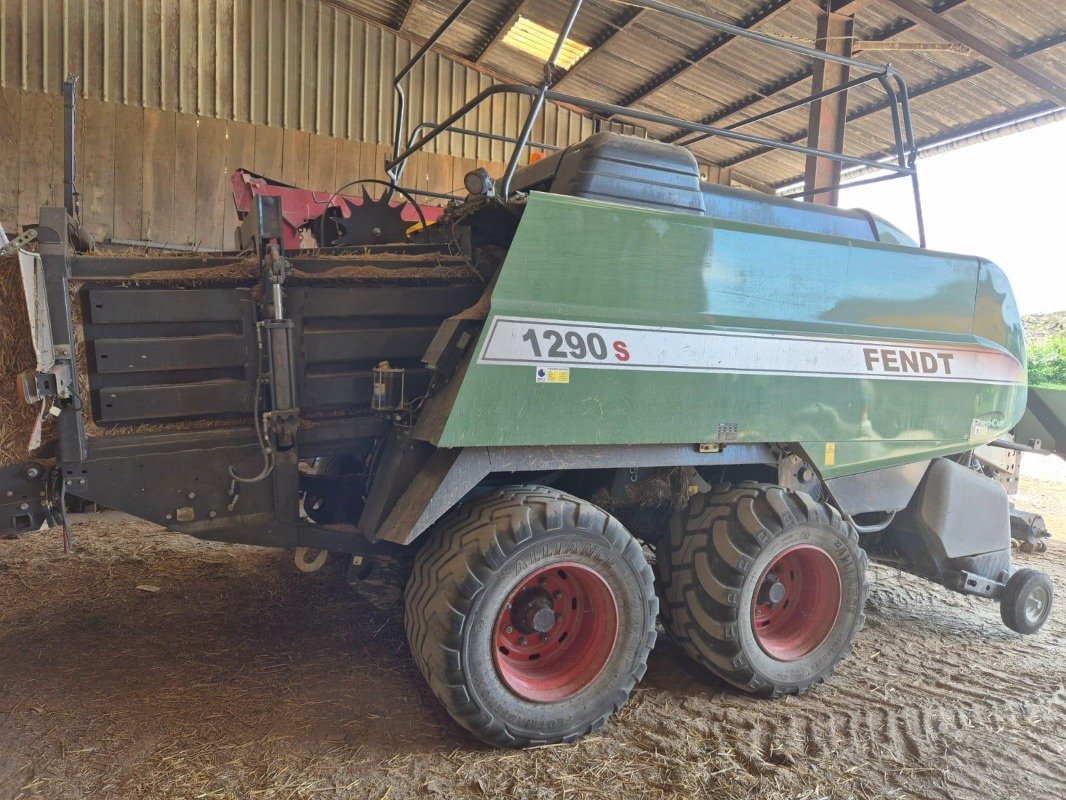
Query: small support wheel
310	559
1026	601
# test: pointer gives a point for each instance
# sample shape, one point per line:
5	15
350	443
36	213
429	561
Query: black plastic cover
643	172
621	169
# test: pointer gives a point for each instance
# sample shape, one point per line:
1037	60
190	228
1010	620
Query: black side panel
172	366
343	332
159	355
22	507
889	489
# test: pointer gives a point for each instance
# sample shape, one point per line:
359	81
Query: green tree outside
1047	362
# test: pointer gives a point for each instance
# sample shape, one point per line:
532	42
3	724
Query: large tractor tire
763	586
531	614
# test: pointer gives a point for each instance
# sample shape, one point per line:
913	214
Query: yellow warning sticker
830	453
553	375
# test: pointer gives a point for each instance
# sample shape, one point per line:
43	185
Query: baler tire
715	560
1023	588
472	568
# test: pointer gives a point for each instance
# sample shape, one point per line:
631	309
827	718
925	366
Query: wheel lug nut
558	595
544	637
558	616
543	581
509	605
523	641
509	629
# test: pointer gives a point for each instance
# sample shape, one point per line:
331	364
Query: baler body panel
749	334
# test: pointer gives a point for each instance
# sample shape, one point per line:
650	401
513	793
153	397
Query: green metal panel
751	322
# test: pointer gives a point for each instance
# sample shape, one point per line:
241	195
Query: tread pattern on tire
708	552
451	568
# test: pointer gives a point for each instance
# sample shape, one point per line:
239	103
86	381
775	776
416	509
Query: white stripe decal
592	345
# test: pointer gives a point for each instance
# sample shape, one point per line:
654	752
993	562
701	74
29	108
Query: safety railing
902	157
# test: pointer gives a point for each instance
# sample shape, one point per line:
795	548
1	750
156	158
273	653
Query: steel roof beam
916	91
508	17
683	65
848	7
828	115
405	15
781	84
1042	83
624	20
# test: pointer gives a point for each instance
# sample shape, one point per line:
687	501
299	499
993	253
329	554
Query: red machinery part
797	602
301	207
555	633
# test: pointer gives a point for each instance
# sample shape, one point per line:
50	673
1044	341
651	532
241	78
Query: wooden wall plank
210	182
439	171
349	161
268	149
10	111
165	176
295	158
460	168
372	160
95	150
129	172
322	173
240	154
416	171
40	147
157	215
185	179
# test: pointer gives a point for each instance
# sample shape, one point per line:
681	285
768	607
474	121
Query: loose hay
17	417
242	679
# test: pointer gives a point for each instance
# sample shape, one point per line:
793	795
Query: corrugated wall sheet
294	64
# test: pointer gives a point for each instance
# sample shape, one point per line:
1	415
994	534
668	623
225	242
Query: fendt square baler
590	358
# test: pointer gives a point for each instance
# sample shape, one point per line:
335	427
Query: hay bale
17	418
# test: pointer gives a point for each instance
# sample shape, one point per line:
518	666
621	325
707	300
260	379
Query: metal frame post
70	117
828	115
54	246
538	102
396	166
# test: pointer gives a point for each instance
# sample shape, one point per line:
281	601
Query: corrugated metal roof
645	59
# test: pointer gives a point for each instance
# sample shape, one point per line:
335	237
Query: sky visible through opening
1004	200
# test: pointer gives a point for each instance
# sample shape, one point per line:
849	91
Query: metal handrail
492	137
893	84
623	111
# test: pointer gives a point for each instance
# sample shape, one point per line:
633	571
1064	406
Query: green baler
598	355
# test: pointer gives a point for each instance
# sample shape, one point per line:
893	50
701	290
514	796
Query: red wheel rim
796	603
555	632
